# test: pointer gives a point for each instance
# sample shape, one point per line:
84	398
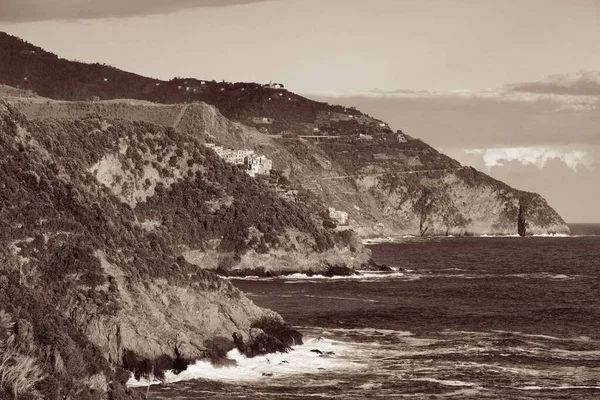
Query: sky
506	86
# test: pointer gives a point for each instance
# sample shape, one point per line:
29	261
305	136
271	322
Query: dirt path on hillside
180	116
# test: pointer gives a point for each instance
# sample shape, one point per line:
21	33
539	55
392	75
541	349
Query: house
365	137
341	217
258	165
402	137
286	194
261	120
255	164
236	156
272	85
217	149
105	79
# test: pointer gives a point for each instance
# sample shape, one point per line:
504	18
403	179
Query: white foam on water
247	278
369	386
338	298
542	275
445	382
362	331
299	276
515	235
301	360
365	276
563	387
389	239
541	336
142	382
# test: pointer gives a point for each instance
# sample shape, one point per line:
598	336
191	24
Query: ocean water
461	318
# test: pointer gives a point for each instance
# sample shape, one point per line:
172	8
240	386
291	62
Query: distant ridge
388	182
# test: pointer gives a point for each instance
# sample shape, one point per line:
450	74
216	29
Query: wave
548	337
315	356
299	276
408	275
563	387
362	276
445	382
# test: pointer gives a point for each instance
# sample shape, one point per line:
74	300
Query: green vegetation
57	217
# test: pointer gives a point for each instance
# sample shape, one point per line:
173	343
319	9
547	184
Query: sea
459	318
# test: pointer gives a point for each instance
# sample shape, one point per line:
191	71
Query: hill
115	211
388	183
99	218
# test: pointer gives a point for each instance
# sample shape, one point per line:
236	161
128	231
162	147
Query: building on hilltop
272	85
401	137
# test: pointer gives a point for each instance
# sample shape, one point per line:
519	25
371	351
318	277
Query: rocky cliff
389	183
112	211
96	218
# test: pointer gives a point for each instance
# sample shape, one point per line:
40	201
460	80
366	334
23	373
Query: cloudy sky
506	86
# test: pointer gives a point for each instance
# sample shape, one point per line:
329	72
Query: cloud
583	83
537	156
508	94
44	10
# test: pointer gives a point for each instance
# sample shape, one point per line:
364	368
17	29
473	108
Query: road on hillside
393	173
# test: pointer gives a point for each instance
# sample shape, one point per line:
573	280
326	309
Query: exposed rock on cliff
388	187
94	290
389	183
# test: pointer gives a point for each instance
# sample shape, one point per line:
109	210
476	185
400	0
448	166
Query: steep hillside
388	182
26	66
99	217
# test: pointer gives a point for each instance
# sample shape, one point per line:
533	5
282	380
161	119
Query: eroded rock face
165	323
441	197
459	202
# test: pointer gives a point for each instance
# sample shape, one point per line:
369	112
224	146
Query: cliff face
94	226
389	183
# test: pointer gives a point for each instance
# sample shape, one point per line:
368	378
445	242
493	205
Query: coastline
404	238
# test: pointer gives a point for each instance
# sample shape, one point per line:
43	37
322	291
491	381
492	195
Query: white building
258	165
272	85
255	164
341	217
